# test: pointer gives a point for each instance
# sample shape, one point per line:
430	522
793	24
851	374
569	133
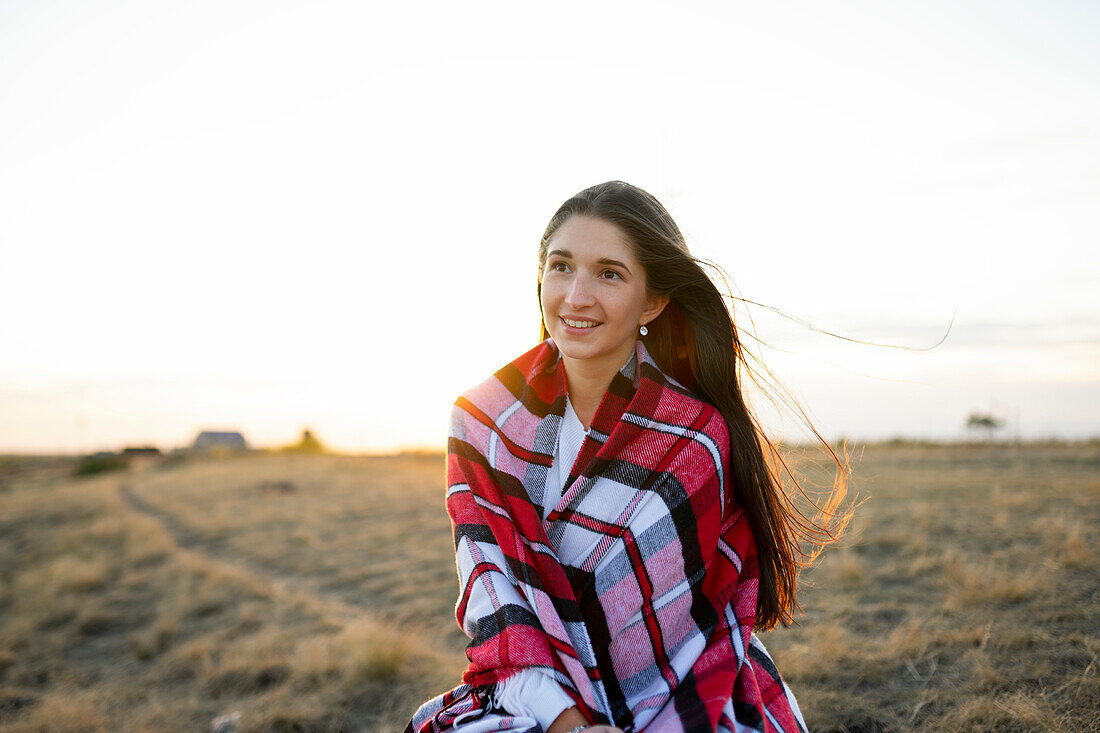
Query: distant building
140	457
144	450
209	440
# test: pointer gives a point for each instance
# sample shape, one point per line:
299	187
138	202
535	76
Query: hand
603	729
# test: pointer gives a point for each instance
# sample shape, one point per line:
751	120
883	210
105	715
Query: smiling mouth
580	324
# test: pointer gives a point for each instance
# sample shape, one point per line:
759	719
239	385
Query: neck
587	381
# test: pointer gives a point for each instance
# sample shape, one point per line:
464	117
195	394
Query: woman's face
594	293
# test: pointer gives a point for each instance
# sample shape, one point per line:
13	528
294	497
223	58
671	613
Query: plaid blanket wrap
638	592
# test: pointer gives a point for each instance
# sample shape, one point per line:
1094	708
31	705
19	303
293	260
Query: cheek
546	300
549	295
632	306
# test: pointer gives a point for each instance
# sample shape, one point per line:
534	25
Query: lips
579	322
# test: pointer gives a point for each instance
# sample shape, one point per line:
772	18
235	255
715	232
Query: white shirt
533	692
570	438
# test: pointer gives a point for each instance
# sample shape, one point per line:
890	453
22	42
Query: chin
578	354
572	349
584	352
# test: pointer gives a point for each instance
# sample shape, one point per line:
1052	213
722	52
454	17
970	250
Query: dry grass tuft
146	541
980	581
373	653
1016	711
363	651
65	710
909	641
64	573
1065	541
850	567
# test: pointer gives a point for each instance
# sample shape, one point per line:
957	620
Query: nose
580	293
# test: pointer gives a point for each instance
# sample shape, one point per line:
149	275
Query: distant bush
308	444
101	463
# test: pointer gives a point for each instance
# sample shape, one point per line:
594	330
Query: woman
620	530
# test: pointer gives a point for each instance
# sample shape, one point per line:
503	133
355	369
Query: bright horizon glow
267	216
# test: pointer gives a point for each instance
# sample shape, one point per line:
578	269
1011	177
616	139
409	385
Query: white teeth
581	324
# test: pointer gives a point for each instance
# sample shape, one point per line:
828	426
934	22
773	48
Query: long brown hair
695	341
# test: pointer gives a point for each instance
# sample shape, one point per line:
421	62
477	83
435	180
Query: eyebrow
603	261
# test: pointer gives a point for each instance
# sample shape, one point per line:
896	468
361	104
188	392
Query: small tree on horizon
983	424
307	444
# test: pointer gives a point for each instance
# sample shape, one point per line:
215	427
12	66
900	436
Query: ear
654	304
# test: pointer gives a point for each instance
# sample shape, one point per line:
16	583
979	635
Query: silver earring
643	330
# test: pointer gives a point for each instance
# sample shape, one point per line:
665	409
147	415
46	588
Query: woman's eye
610	275
558	267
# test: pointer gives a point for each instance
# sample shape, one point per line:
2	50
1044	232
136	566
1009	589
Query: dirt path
192	546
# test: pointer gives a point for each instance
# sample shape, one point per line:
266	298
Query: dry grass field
315	593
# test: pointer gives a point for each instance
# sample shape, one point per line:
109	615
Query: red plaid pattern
638	592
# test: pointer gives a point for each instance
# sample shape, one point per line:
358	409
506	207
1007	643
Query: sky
266	216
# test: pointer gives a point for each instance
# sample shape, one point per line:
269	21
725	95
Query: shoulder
691	415
698	464
675	406
506	386
700	440
515	374
708	435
